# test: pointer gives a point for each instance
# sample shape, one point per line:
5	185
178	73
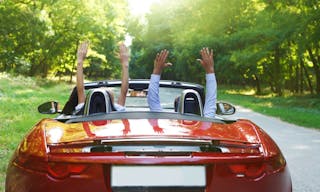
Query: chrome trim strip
177	140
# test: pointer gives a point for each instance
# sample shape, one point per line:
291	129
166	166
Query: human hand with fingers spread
207	60
124	56
82	52
160	62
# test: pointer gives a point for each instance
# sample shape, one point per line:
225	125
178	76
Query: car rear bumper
97	178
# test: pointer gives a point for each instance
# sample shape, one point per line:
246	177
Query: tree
41	37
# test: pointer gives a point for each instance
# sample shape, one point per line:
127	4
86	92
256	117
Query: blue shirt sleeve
210	101
211	96
153	93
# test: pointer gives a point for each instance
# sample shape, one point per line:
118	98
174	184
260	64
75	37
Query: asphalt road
300	146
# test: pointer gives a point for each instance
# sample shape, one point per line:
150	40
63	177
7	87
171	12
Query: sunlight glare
128	40
140	7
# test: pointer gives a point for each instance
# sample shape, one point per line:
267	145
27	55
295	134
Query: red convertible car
138	150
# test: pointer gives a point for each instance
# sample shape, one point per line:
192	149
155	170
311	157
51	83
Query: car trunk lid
123	130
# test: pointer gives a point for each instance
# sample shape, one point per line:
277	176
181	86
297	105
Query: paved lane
300	146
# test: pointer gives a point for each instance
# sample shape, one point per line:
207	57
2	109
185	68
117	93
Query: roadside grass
19	98
301	110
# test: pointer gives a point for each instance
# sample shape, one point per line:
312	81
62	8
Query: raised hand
82	51
124	55
207	60
81	55
124	60
160	62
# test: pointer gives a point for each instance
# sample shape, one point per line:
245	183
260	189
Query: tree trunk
71	74
297	79
316	70
277	72
301	80
33	68
272	87
44	67
257	82
291	70
74	62
307	75
291	75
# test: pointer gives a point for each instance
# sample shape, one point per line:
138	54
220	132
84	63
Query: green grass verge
19	98
299	110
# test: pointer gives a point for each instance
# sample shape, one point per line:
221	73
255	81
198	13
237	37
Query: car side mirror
225	109
51	107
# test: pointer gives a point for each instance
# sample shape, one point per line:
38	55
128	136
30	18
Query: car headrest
189	102
98	101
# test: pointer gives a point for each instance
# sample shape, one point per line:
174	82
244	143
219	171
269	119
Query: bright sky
140	7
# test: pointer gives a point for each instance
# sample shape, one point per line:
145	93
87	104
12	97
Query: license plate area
158	189
158	178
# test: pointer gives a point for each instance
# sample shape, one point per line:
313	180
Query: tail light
53	169
253	170
63	170
32	155
276	163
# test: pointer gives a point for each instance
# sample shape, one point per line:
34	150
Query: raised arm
81	55
124	59
211	84
153	90
160	62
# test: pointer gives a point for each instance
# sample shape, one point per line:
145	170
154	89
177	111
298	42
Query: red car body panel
57	132
50	158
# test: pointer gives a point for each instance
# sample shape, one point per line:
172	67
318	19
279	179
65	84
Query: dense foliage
261	43
38	38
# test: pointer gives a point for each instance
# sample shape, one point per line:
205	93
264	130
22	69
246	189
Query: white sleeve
78	107
153	93
119	108
211	96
